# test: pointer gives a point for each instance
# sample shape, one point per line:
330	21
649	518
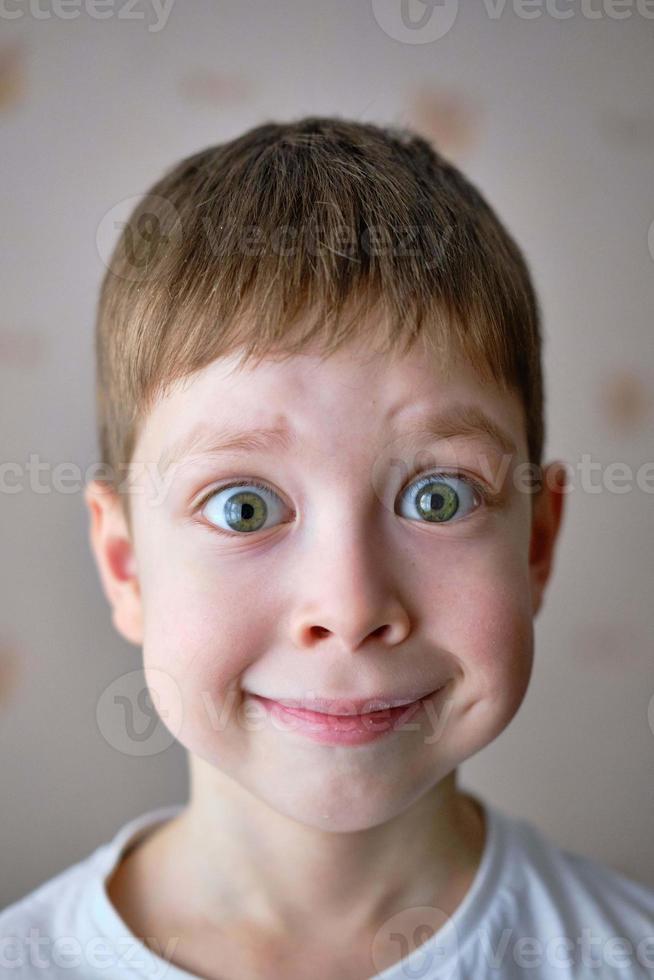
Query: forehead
355	392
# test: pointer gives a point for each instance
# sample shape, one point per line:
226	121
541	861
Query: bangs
309	236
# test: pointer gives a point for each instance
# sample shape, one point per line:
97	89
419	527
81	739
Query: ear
547	513
111	544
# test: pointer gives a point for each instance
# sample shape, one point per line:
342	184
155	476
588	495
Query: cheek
195	649
498	646
498	641
480	614
199	622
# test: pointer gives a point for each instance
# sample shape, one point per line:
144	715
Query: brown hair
301	223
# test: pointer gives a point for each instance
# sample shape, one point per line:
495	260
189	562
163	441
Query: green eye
242	507
247	506
435	500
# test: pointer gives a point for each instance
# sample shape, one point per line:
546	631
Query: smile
350	728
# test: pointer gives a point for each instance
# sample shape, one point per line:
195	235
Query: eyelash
490	498
230	486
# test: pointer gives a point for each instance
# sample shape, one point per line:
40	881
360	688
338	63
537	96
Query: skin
286	840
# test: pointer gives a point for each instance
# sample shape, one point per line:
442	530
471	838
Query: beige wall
553	119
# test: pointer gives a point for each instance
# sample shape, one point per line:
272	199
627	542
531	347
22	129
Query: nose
348	597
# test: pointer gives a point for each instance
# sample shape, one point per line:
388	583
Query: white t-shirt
533	910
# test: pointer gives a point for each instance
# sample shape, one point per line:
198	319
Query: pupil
437	500
247	510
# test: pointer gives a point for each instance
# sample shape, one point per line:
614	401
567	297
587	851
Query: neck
232	856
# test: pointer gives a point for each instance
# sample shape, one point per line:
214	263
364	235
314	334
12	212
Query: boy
319	353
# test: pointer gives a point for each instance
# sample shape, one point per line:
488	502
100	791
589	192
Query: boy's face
348	587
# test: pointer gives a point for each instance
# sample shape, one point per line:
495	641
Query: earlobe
545	526
112	547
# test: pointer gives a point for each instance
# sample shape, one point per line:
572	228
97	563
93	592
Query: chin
345	800
337	819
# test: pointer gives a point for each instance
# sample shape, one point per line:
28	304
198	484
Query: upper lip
351	706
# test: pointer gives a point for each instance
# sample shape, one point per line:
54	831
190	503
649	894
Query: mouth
346	722
348	707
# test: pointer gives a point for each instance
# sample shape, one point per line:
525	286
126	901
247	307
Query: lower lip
343	729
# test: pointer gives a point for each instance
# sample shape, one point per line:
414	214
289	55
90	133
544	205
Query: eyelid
241	482
490	499
413	477
230	485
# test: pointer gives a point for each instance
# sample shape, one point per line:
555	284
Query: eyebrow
457	421
465	421
203	439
